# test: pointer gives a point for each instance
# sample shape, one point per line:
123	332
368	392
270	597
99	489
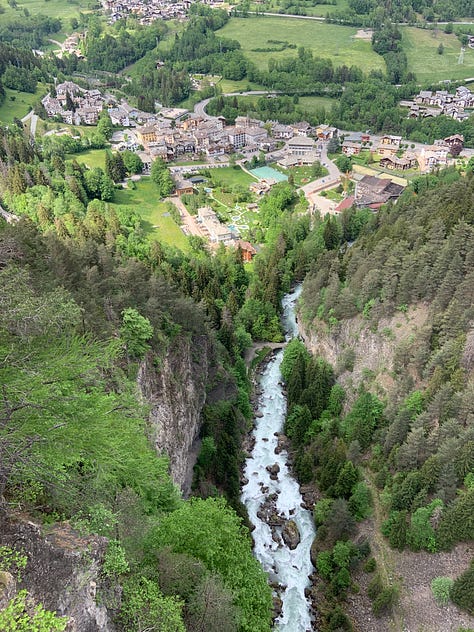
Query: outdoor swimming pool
269	172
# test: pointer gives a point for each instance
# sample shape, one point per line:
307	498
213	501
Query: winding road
34	121
200	108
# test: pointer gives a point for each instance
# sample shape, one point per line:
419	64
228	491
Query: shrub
337	620
462	591
385	601
441	589
375	587
421	534
321	510
370	565
324	564
115	562
360	501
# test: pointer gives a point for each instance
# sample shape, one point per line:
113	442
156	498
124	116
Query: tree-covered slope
405	430
77	316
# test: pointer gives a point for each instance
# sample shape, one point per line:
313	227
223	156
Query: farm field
62	9
157	223
325	40
18	104
421	48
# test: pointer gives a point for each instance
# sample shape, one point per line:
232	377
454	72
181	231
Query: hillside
388	436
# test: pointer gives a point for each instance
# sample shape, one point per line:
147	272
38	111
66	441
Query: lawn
17	104
421	48
301	175
157	224
231	176
311	103
92	158
325	40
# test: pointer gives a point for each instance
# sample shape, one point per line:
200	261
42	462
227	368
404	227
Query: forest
409	448
85	297
371	13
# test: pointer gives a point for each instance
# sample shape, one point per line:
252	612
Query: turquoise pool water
269	172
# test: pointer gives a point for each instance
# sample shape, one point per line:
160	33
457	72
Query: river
288	568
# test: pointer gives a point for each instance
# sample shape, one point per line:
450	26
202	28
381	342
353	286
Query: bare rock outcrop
62	573
291	535
177	386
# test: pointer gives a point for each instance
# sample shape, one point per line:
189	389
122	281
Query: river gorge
273	498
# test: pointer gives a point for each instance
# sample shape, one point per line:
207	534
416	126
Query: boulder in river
273	469
291	535
277	607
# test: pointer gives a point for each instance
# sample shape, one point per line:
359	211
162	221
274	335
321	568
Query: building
432	158
325	132
349	148
301	146
146	134
248	251
210	222
184	187
391	140
372	192
386	149
408	161
236	137
282	132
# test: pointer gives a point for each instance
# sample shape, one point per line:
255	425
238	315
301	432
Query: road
298	17
200	108
34	121
321	19
189	222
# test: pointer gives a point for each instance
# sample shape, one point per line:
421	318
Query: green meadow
325	40
92	158
311	103
63	9
318	10
157	223
421	48
18	104
231	176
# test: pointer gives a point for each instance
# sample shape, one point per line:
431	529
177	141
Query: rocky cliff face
364	352
177	388
62	572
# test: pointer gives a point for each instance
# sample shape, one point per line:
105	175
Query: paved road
189	221
321	19
200	108
34	121
297	17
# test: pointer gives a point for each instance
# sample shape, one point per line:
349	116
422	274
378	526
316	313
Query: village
192	141
148	12
434	103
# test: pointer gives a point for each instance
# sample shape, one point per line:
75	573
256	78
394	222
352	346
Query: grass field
156	221
421	48
311	103
231	176
63	9
92	158
317	10
325	40
227	85
17	104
